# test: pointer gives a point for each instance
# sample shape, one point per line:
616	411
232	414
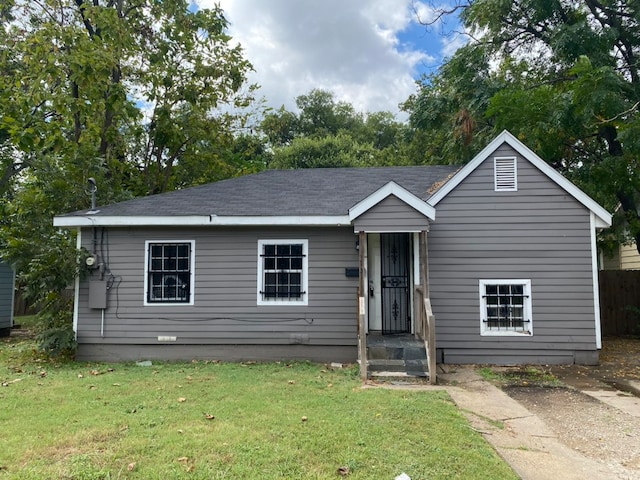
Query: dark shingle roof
317	191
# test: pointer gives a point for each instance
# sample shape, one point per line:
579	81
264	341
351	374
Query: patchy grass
520	376
495	423
27	322
208	420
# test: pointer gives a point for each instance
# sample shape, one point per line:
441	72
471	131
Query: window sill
503	333
168	304
283	303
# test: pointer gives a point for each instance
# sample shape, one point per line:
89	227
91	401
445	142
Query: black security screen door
396	257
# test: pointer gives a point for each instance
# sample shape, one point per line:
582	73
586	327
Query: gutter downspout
76	289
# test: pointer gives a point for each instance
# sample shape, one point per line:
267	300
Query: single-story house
7	288
313	264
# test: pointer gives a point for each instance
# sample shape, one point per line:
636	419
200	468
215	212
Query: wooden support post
417	312
429	333
362	307
424	264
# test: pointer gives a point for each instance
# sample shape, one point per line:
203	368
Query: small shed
7	287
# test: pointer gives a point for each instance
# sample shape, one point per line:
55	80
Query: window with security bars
169	272
505	307
282	269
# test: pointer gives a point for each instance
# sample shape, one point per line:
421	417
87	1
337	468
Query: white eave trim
392	188
603	218
600	223
596	287
197	220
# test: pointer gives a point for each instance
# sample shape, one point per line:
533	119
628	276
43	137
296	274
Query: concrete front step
395	347
402	355
398	374
414	368
398	364
395	353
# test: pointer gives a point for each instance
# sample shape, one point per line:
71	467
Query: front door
395	253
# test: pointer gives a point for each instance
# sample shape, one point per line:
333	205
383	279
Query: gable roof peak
387	190
603	217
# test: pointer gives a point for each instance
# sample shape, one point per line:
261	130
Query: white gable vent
505	174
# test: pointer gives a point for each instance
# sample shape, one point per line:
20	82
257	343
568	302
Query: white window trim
527	311
192	275
305	273
498	188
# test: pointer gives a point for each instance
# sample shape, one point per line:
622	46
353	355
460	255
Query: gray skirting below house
518	357
228	353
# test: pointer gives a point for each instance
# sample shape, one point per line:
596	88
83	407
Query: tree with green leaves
330	151
562	76
447	114
140	95
329	133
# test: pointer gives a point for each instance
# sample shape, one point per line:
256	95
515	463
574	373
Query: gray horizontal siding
538	232
225	310
391	215
6	296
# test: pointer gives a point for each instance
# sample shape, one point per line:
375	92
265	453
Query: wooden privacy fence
23	307
620	302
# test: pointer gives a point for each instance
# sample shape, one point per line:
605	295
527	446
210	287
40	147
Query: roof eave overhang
601	223
385	191
198	220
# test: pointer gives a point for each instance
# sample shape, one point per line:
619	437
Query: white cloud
427	14
351	48
452	43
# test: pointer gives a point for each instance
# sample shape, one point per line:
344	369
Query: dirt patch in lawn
619	363
587	425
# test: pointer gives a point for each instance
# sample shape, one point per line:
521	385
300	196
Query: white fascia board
603	218
403	194
198	220
311	220
395	230
595	276
92	220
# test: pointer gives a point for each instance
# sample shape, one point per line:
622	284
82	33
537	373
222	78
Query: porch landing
396	356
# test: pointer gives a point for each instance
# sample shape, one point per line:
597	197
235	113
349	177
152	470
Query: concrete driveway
521	437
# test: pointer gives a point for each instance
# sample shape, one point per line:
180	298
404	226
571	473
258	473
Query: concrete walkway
628	403
520	437
622	394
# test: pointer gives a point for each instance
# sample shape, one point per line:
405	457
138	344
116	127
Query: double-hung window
505	307
169	272
282	272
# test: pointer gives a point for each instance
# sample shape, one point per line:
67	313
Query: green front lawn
207	420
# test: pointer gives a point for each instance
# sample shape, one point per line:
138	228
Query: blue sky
367	52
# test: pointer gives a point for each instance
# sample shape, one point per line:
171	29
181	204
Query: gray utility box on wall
98	294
